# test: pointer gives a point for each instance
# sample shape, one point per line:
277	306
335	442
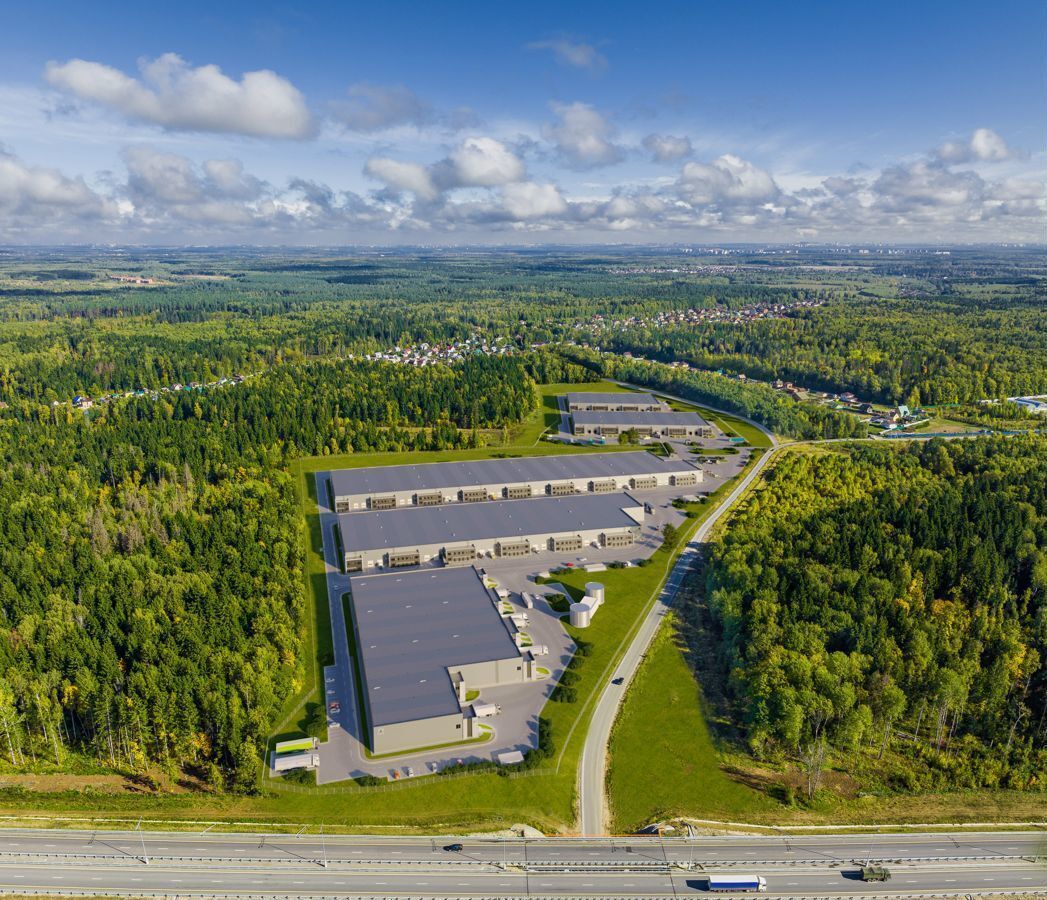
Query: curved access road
592	800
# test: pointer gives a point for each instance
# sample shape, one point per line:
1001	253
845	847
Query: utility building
436	484
424	639
624	401
460	533
646	424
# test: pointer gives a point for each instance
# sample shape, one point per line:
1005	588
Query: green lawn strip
663	762
630	594
316	636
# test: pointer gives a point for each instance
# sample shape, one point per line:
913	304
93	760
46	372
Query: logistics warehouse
646	424
424	640
460	533
435	484
613	402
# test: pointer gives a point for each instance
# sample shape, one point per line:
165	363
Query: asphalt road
218	864
592	800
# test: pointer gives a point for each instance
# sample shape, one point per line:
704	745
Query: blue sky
391	123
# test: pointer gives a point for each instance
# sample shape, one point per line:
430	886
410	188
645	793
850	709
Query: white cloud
476	162
376	107
485	162
528	200
36	197
480	187
403	176
727	181
178	97
665	148
985	145
583	137
572	53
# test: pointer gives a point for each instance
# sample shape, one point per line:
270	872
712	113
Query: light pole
141	835
323	846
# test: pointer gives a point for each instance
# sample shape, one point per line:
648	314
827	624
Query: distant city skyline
336	124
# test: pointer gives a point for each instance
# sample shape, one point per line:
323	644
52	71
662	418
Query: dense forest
150	554
881	599
952	349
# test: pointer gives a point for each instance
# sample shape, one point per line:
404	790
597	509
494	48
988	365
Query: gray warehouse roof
432	476
411	627
611	397
457	523
638	418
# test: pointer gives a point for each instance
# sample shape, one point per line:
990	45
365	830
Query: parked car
408	771
335	707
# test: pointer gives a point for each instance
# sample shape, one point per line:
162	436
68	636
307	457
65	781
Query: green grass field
730	425
663	762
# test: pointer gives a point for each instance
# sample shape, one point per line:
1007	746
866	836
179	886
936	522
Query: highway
592	801
213	864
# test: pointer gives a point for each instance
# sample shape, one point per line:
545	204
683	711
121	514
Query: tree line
878	591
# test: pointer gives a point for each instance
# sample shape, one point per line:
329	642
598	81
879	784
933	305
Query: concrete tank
595	590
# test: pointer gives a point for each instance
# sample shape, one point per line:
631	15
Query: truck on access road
737	883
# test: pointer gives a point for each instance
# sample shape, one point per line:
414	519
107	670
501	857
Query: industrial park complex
430	627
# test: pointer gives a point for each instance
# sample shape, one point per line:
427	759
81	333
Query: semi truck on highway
737	883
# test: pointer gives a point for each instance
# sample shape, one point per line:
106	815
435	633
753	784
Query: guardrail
550	866
170	895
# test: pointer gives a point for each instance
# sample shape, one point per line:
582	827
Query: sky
463	123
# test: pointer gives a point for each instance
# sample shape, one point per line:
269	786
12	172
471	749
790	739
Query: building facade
459	534
667	425
438	484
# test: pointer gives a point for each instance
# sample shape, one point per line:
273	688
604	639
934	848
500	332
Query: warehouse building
613	402
458	534
646	424
424	640
435	484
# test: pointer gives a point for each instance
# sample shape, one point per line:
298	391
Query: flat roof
612	397
411	627
457	523
638	418
433	476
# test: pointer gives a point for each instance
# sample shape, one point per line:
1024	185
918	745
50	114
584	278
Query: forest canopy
877	590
